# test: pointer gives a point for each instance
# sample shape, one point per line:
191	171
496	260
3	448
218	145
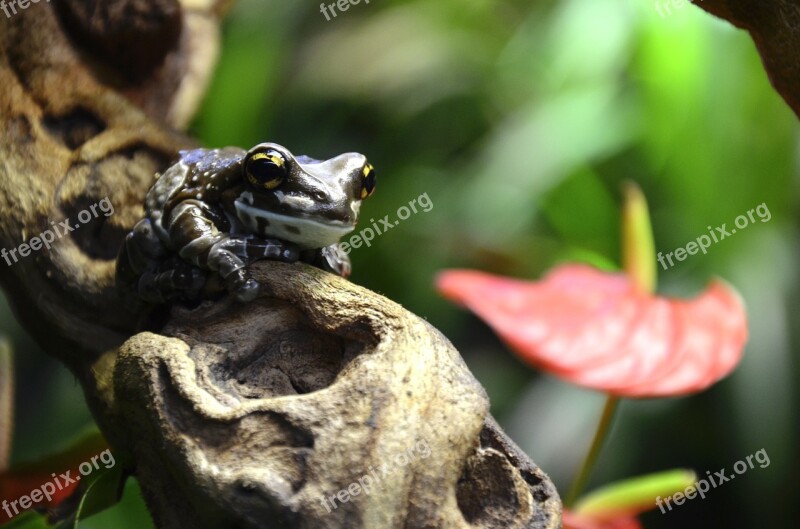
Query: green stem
638	256
603	427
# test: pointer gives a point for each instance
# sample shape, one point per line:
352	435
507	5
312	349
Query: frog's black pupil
369	181
265	170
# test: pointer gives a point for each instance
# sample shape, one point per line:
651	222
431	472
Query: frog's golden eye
266	169
367	181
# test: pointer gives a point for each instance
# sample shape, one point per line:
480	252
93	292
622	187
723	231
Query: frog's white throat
308	233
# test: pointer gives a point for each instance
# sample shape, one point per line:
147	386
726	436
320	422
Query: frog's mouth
306	232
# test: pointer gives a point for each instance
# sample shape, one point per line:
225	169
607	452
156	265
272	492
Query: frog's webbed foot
230	256
144	266
173	279
332	259
141	251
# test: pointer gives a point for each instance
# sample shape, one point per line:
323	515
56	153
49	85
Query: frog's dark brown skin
327	372
218	210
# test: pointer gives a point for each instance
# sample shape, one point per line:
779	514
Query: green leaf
6	402
635	495
105	484
102	493
28	520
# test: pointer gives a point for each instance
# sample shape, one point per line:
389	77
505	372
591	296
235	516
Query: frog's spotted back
198	174
217	210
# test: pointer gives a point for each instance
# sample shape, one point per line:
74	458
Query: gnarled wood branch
319	405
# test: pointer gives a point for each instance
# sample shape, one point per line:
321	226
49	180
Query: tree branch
774	26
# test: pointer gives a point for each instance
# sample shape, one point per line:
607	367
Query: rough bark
235	415
320	405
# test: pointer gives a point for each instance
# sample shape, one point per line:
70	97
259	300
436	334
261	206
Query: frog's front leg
194	230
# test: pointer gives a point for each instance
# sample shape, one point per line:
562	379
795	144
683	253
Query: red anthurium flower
572	520
14	486
598	330
46	484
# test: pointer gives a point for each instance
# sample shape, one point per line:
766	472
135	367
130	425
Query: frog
215	211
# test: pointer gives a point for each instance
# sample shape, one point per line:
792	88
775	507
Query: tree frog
217	210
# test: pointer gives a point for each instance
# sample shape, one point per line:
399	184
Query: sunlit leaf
633	496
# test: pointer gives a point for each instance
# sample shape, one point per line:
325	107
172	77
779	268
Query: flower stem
603	427
638	256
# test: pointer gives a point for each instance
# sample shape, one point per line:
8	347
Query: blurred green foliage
520	120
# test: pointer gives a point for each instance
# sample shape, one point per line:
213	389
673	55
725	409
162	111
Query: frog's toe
188	279
248	291
280	251
289	254
166	284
